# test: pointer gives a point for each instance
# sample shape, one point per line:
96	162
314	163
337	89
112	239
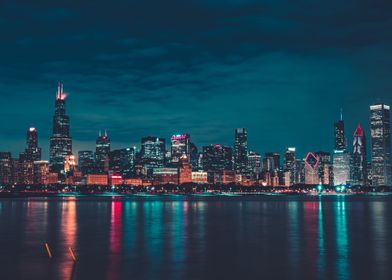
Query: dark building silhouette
122	162
86	162
102	152
217	158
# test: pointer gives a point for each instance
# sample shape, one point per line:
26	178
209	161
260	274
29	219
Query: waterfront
197	237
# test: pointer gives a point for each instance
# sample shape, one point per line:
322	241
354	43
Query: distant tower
240	151
381	144
359	158
340	140
32	152
102	153
60	142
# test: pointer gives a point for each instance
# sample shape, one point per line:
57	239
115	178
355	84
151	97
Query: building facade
381	144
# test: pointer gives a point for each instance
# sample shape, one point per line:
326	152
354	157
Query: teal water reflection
337	237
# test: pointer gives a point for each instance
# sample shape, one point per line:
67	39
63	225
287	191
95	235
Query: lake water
190	237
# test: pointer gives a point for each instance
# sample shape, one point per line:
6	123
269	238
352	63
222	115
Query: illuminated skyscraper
289	164
254	164
102	151
152	153
122	162
341	167
341	157
359	158
180	145
324	168
32	152
340	140
381	144
60	142
241	151
6	168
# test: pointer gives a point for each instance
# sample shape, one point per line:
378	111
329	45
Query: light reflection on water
271	238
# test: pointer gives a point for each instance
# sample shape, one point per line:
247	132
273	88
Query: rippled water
263	237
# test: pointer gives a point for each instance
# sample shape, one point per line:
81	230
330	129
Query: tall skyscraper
241	151
180	145
359	158
289	164
60	142
152	153
340	140
341	157
102	151
381	144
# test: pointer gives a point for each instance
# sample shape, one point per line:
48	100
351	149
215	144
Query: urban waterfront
197	237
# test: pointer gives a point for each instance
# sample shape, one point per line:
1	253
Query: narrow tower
60	142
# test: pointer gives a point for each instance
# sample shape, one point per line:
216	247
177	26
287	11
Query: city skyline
270	67
89	145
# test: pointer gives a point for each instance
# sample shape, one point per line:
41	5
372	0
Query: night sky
281	69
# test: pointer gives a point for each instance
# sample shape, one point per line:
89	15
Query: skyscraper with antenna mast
60	142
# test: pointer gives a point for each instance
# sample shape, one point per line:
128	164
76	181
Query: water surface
188	237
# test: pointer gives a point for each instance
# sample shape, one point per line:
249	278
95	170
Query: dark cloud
280	68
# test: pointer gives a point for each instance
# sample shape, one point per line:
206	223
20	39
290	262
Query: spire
58	95
341	114
99	133
106	133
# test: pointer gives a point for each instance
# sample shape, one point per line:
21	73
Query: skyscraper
32	152
122	162
341	157
102	152
60	142
152	153
254	164
341	167
6	168
241	151
359	158
289	164
180	145
340	140
86	162
217	158
381	144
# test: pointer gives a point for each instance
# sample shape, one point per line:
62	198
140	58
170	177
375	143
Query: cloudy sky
282	69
